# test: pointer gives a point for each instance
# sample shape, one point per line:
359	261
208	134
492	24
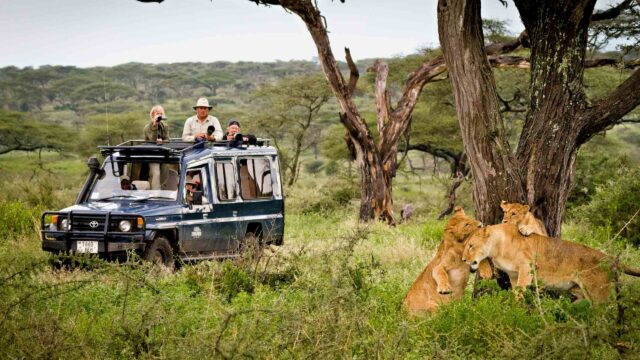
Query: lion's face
476	249
460	226
514	213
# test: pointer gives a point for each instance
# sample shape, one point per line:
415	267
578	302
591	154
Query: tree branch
612	12
383	103
610	110
508	46
354	75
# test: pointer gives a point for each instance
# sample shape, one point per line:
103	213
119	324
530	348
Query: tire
160	253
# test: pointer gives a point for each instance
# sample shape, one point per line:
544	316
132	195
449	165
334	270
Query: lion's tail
630	271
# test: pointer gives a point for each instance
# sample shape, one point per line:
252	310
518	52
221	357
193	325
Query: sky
87	33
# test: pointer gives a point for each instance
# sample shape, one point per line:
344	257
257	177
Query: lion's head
476	249
514	213
460	226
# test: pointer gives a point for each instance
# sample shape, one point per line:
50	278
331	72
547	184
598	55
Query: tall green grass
333	291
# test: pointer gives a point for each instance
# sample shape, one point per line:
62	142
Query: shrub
233	281
332	196
314	167
592	170
615	205
331	168
15	219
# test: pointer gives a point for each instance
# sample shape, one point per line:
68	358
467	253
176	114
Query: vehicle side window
255	178
226	180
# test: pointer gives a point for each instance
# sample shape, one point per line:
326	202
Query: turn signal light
140	222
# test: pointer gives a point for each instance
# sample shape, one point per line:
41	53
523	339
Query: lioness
519	214
558	264
445	277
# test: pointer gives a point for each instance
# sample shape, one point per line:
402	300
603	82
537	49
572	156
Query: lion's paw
444	290
526	230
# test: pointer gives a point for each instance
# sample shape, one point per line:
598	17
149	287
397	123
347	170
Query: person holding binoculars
157	131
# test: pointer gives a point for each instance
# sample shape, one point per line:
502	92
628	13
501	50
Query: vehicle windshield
137	181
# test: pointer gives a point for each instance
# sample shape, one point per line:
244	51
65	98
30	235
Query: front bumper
107	240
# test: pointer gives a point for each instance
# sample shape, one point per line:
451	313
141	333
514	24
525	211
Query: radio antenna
106	108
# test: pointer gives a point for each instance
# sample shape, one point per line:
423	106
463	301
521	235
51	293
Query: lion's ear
526	208
458	210
503	204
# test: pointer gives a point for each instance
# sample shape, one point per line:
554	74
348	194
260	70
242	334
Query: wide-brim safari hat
202	102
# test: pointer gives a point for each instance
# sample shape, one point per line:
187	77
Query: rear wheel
160	253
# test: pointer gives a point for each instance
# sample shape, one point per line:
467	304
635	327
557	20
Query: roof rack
174	147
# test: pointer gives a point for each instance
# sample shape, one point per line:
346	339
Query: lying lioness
445	277
558	264
519	214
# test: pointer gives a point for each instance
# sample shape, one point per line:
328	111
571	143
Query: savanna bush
592	170
615	205
314	166
332	196
16	219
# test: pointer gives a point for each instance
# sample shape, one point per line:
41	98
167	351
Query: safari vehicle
210	199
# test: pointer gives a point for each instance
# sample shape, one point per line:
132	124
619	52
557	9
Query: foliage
16	220
615	205
18	132
495	30
314	166
332	196
112	129
334	292
289	112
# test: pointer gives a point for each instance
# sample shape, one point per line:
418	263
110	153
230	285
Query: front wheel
160	253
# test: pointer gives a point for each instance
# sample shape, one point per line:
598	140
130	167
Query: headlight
64	224
124	225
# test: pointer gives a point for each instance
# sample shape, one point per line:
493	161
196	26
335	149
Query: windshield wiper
122	196
160	197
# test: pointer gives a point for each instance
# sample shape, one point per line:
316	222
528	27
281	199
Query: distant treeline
68	87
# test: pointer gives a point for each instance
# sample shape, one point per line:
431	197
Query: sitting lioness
557	264
445	277
519	214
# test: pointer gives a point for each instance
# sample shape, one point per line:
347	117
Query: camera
160	118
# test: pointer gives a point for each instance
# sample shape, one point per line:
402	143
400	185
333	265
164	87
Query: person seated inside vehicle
125	183
192	195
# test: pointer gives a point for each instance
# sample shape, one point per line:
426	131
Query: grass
334	290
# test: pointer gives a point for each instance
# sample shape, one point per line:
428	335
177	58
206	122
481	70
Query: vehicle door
229	228
197	232
261	211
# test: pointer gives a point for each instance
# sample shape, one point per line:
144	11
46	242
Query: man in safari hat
202	126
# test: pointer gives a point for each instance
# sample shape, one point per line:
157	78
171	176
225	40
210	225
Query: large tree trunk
375	193
495	176
549	141
558	121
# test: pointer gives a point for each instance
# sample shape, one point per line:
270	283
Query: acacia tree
20	133
557	31
376	160
288	111
559	118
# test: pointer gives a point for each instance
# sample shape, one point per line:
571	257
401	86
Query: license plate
90	247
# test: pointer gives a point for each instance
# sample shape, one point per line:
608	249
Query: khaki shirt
193	126
151	132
